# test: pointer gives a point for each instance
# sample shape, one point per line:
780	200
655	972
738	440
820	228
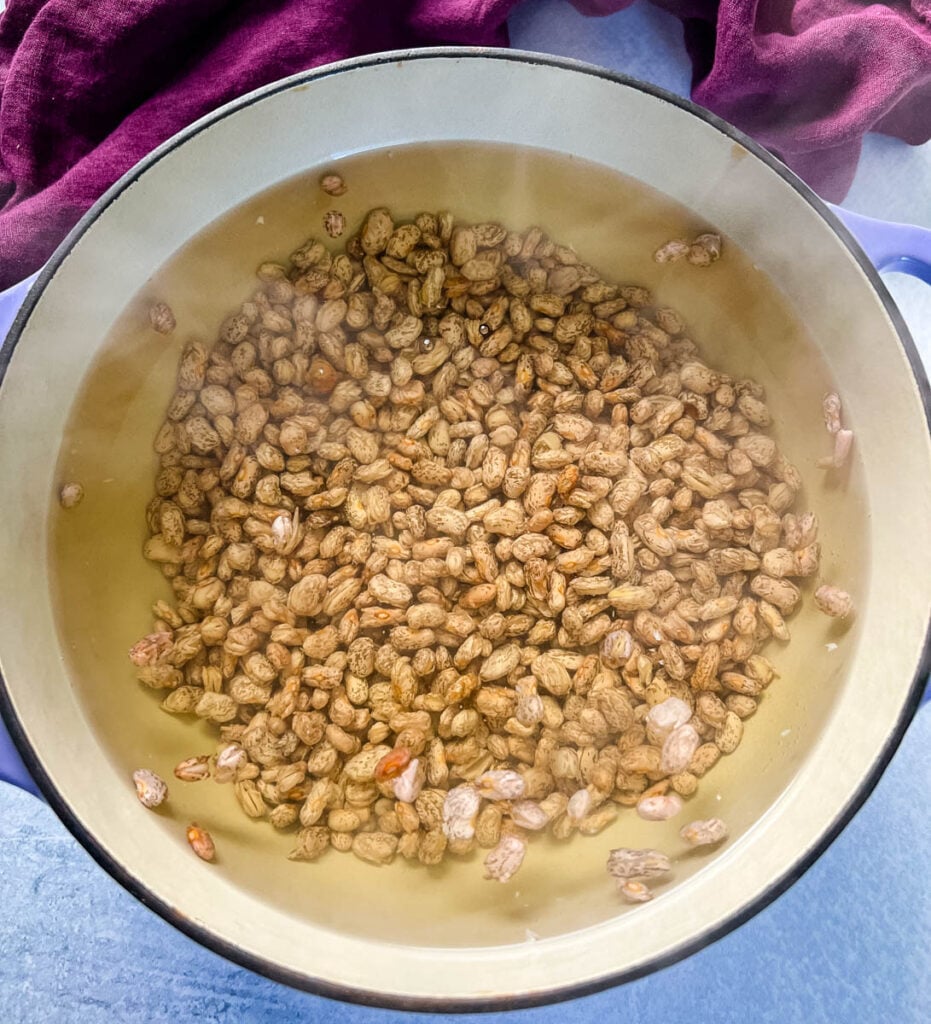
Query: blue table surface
849	942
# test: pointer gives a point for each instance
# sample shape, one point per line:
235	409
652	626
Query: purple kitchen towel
87	89
808	78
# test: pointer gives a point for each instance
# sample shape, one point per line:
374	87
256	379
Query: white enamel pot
794	303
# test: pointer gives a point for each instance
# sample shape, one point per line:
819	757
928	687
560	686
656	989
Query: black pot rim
320	987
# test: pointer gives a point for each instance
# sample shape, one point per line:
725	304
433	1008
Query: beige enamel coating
75	589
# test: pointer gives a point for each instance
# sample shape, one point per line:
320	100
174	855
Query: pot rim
778	886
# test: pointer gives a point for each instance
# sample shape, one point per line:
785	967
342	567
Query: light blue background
848	943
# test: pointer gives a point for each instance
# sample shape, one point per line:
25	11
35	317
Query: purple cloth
87	89
808	78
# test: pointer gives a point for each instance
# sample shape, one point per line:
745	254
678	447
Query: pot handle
10	301
12	768
905	248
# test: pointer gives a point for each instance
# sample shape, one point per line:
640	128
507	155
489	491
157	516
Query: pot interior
743	326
